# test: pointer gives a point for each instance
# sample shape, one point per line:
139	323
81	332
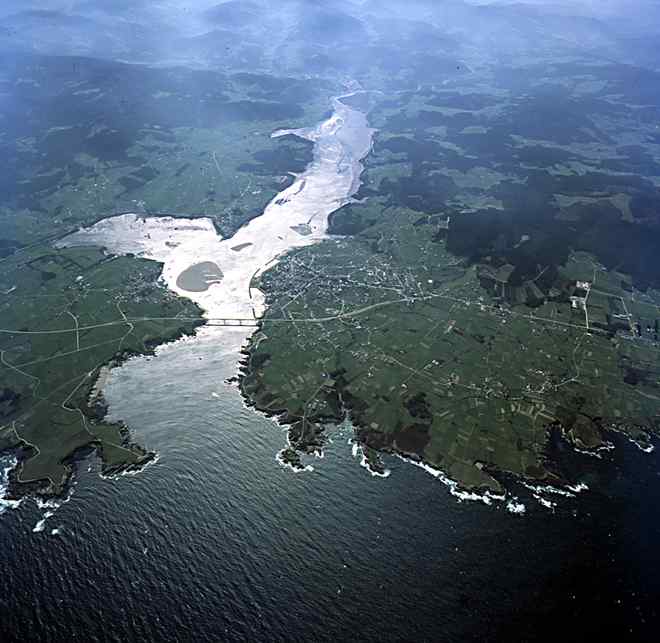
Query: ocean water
217	542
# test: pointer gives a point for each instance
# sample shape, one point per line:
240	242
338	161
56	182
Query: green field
84	139
69	314
451	322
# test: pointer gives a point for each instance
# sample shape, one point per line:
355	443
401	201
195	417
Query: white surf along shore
223	270
218	273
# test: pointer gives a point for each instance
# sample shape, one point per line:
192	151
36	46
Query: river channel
216	541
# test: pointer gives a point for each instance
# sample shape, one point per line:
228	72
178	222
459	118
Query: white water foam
544	502
41	525
280	459
642	446
357	451
7	464
557	491
133	471
375	474
486	497
515	507
597	452
539	493
329	182
50	506
579	487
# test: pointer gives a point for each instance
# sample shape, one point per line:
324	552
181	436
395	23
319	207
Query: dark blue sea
217	542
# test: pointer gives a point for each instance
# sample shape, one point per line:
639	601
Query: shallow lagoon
215	540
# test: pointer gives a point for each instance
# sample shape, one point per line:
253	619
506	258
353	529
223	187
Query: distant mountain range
347	36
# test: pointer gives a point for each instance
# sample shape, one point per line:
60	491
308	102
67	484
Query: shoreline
552	483
306	192
95	410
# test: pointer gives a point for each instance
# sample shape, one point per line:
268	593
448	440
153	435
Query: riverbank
296	218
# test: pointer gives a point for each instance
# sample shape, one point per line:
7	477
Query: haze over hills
406	232
296	34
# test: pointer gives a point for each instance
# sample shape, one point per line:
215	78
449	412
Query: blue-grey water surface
217	542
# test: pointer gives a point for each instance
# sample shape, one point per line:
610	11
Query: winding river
216	542
216	273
